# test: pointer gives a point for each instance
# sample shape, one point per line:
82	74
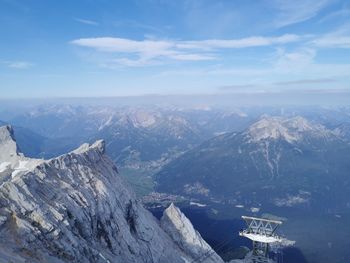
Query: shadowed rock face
76	208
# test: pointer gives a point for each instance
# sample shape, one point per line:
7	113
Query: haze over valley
222	162
187	131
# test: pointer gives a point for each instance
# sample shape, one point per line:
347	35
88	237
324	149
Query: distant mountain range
135	137
289	162
343	130
200	150
276	161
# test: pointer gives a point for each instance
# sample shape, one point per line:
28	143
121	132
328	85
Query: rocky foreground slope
76	208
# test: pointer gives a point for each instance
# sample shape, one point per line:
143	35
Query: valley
220	164
186	131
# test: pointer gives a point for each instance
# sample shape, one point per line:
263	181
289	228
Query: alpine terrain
280	162
76	208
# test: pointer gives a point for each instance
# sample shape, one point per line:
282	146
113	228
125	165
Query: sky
103	48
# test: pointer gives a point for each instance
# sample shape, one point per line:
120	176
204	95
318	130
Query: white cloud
151	51
192	57
18	64
305	81
296	66
337	39
336	15
240	43
333	42
296	11
220	71
297	60
86	22
110	44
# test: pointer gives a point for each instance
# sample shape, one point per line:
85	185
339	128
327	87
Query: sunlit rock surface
177	225
12	162
290	129
76	208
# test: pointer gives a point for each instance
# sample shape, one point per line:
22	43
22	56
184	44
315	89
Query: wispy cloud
292	12
220	71
285	64
268	86
86	22
305	81
150	51
293	61
257	41
344	12
135	24
333	42
236	87
18	64
340	38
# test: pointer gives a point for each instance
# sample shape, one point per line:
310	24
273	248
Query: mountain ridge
76	208
288	129
284	159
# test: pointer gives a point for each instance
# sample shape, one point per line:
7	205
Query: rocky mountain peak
300	123
9	150
76	208
12	162
288	129
181	230
6	132
98	146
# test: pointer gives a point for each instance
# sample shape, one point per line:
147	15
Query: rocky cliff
180	229
76	208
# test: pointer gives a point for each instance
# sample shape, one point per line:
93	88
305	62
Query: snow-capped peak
143	119
288	129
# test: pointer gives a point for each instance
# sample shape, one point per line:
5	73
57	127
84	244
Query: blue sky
117	48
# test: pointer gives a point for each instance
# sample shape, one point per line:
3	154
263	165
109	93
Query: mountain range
289	162
137	138
276	161
76	208
142	140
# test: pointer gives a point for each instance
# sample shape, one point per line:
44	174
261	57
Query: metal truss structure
262	232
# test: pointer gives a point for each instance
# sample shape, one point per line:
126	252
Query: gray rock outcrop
76	208
181	230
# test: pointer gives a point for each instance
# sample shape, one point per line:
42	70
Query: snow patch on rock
12	162
288	129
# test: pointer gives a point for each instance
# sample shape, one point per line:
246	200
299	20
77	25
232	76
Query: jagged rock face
8	145
75	208
177	225
12	162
